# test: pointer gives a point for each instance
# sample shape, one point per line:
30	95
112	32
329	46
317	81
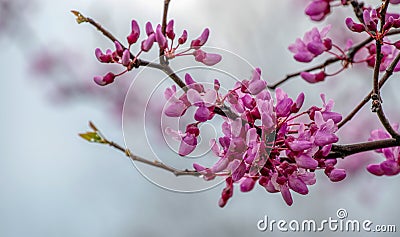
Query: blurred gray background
52	183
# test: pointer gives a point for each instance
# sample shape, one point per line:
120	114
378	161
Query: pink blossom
183	37
135	33
318	9
105	80
209	59
201	40
391	165
314	43
169	31
245	152
160	38
356	27
337	175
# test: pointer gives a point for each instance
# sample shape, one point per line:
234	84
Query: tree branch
386	124
382	81
97	137
341	151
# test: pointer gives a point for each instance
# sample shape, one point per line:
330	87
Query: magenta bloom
314	43
391	165
135	33
204	101
264	141
201	40
313	77
105	80
209	59
318	9
356	27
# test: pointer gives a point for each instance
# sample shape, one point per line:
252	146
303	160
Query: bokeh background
52	183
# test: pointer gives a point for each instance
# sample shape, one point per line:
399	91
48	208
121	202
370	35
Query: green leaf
92	137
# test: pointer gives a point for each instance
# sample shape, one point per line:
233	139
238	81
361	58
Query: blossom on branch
391	166
266	141
313	44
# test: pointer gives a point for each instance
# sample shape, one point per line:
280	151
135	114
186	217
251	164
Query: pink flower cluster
316	42
371	19
313	44
388	52
267	140
124	57
391	166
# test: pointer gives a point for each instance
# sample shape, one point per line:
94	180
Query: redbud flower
148	43
370	19
337	175
208	59
318	9
201	40
356	27
170	30
183	37
313	77
388	52
255	85
126	58
105	80
160	38
135	33
149	29
103	58
226	193
391	165
118	48
247	184
313	44
204	102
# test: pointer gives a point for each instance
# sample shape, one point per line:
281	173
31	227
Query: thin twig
341	151
386	124
163	29
139	62
338	151
382	81
128	153
358	10
376	97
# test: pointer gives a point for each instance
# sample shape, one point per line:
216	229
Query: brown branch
376	97
163	29
382	81
163	65
358	10
341	151
139	62
102	140
386	124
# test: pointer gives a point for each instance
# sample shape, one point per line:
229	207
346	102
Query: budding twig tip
79	17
